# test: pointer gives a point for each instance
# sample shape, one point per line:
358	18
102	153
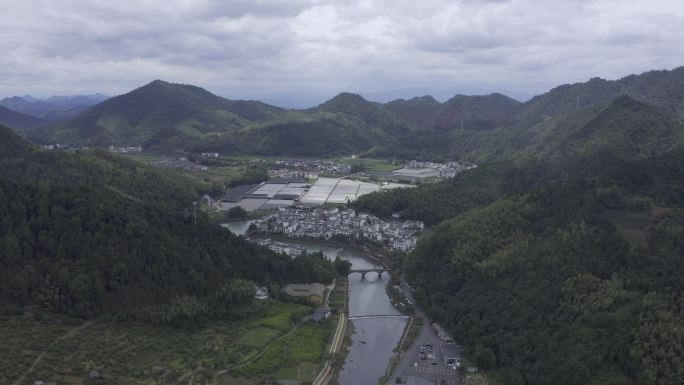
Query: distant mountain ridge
18	121
484	128
53	108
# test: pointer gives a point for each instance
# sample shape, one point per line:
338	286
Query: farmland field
66	350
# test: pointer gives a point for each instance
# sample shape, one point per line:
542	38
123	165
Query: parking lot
438	370
426	356
424	362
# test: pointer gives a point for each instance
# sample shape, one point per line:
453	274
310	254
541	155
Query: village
337	223
307	168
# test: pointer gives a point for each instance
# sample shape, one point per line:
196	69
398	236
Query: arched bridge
363	272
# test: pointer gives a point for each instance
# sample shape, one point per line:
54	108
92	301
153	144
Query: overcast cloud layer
299	51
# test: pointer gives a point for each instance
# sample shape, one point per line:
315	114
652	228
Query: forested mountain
53	108
369	114
476	112
626	128
561	264
484	128
418	111
345	124
576	281
158	114
20	122
89	233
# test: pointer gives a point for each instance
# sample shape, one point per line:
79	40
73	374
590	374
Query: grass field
22	341
139	353
145	158
304	345
214	174
337	300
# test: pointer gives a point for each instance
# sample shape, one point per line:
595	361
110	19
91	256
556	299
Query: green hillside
157	114
488	128
88	233
418	110
20	122
626	128
561	264
568	281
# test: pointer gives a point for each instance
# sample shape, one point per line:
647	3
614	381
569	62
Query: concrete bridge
379	316
363	272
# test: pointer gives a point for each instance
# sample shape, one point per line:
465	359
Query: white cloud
319	47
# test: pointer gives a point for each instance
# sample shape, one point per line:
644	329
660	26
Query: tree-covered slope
157	113
18	121
627	128
89	233
419	110
486	128
573	281
476	112
369	115
346	124
540	124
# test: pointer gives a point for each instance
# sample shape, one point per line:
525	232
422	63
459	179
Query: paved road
438	373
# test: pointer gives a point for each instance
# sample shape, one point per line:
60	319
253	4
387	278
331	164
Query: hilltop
157	114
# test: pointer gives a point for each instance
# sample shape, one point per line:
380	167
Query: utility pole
194	211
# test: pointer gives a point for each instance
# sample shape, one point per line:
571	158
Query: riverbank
378	325
374	253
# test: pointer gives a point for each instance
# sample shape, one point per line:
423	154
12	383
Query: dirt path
261	352
65	336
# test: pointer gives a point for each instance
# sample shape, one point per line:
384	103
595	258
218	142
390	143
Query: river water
374	338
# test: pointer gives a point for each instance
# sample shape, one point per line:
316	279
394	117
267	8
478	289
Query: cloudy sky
298	52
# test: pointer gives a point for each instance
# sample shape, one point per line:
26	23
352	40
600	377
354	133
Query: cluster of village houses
126	149
307	168
326	223
445	170
180	163
280	248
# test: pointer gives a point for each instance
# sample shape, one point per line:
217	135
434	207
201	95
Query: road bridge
379	316
363	272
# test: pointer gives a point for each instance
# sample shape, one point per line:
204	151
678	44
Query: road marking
434	369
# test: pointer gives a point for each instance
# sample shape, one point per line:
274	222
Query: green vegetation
338	298
139	353
342	267
23	340
250	175
558	261
282	317
236	212
160	115
182	118
305	344
544	283
19	121
89	233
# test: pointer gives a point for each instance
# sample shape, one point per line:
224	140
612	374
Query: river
374	338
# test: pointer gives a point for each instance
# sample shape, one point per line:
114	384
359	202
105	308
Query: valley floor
40	346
